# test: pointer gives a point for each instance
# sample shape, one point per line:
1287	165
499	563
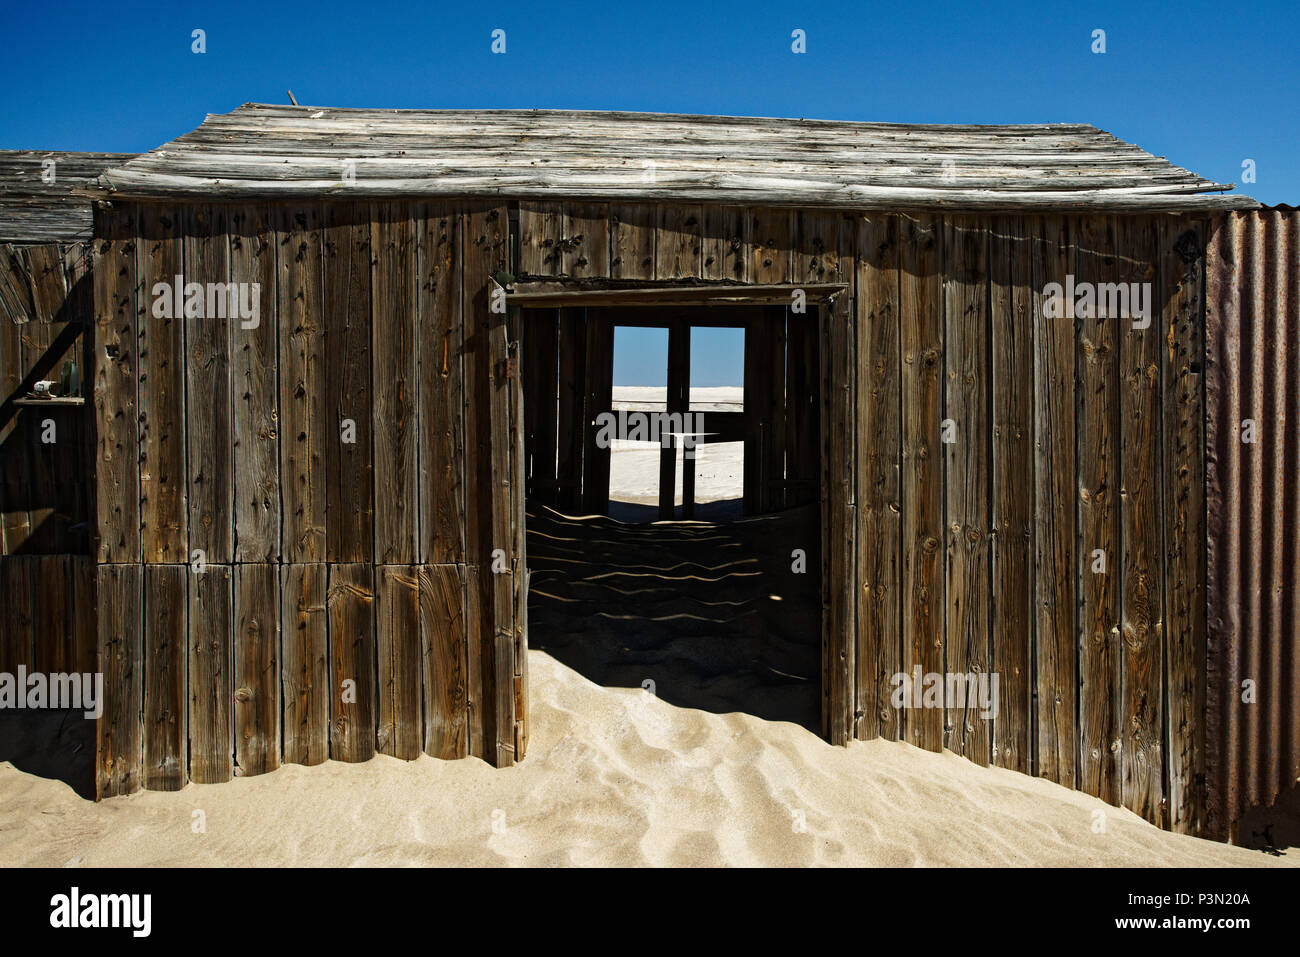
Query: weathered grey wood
499	682
304	630
772	251
257	668
166	744
209	412
624	157
351	607
632	241
879	441
839	611
305	429
119	754
254	369
397	638
678	246
441	409
725	238
541	239
211	674
618	293
395	385
485	231
921	342
967	479
1013	320
37	208
1181	273
1096	261
586	240
1056	654
117	469
1141	506
162	428
442	637
350	448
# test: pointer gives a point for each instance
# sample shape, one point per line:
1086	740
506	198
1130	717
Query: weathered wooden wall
325	560
47	603
300	550
1069	437
45	309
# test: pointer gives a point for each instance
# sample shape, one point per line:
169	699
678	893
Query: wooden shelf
57	401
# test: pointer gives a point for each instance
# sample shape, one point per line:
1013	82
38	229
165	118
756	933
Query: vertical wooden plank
504	553
211	670
967	483
119	757
541	379
17	615
117	464
162	428
879	442
1056	654
1012	318
305	654
632	241
1098	552
349	447
816	246
85	605
254	370
1141	504
397	636
485	230
45	602
395	387
541	237
441	425
772	233
166	738
15	525
442	637
839	605
210	496
678	247
305	431
351	607
598	398
570	427
726	244
257	668
586	240
921	341
35	458
1182	267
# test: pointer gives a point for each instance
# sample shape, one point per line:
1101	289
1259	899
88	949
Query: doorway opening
673	516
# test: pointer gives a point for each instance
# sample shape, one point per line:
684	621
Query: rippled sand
613	777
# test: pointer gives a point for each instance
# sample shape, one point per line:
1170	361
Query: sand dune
613	777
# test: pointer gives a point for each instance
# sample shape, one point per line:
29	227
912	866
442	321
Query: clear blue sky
1206	84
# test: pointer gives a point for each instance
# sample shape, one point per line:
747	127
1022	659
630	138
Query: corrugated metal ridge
1253	523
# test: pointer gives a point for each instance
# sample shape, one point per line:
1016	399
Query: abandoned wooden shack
339	353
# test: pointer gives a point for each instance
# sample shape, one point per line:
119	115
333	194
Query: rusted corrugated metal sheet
1253	493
